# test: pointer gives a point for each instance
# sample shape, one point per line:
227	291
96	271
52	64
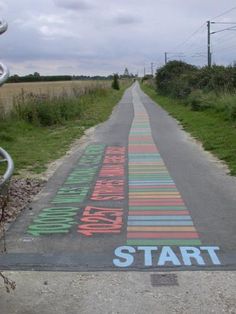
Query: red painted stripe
163	235
157	212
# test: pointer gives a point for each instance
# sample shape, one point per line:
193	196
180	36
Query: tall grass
224	102
40	127
46	109
11	90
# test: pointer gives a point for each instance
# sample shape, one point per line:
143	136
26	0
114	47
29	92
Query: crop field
10	91
47	117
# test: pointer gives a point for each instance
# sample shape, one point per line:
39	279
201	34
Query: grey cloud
125	19
105	36
74	5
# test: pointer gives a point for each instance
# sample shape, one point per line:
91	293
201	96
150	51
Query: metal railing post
5	157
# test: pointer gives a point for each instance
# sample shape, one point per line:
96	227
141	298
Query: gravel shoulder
118	293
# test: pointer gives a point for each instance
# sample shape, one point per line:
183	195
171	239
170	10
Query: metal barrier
5	180
4	73
4	156
3	68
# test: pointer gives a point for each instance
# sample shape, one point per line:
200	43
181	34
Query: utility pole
152	71
209	33
144	71
166	59
209	43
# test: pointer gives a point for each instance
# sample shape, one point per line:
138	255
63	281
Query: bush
174	79
178	79
198	100
200	89
115	83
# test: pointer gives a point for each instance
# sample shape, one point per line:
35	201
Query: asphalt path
140	194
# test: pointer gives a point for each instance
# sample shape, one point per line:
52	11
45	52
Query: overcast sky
105	36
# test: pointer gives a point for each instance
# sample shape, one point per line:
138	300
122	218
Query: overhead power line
228	11
223	23
194	45
188	38
233	28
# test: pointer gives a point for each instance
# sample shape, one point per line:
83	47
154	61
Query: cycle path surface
139	195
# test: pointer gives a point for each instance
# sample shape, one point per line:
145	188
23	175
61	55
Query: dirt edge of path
27	186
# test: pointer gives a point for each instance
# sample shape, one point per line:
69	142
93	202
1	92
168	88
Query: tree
36	74
115	83
126	73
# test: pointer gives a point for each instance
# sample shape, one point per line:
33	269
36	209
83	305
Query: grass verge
211	128
33	146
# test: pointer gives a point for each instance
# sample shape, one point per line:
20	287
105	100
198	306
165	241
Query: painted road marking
90	207
154	201
108	187
161	256
60	220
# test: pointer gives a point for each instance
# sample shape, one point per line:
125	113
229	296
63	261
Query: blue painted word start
165	256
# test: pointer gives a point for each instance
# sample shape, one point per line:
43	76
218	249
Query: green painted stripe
164	242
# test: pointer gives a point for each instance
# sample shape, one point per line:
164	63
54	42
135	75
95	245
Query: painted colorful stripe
157	212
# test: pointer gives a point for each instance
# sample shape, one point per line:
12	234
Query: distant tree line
36	77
